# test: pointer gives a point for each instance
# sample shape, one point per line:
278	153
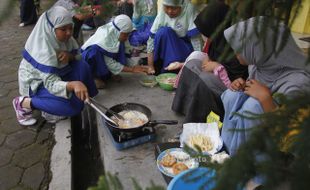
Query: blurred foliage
108	7
278	150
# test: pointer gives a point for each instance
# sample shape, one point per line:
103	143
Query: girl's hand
79	89
237	85
150	70
208	65
140	69
174	66
260	92
257	90
64	57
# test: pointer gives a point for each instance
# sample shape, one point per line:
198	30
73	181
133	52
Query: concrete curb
61	157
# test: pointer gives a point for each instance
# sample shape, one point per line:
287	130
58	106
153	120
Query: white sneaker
21	24
50	118
86	27
23	115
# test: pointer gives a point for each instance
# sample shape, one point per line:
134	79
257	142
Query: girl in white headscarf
284	72
105	50
50	77
173	35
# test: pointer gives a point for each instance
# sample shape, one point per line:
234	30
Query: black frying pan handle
167	122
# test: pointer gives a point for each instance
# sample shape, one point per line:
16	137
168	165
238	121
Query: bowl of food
148	81
166	81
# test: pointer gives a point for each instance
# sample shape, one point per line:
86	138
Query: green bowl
163	82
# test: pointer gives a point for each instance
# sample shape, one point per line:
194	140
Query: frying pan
137	107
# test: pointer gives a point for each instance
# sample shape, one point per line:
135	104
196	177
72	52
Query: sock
25	103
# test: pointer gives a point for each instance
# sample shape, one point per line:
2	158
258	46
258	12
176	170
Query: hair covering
281	69
207	22
123	23
212	17
195	55
107	35
178	3
42	43
181	24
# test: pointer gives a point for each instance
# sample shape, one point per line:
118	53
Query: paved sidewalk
24	152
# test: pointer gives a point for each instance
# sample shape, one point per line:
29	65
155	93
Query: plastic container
164	81
148	81
192	180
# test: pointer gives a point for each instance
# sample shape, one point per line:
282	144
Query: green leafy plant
281	141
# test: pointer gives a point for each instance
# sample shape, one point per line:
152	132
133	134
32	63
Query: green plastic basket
162	81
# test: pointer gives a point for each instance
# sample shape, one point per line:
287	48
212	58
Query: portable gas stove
124	140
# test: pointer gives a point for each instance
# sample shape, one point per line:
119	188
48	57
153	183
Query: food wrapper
220	157
210	130
213	117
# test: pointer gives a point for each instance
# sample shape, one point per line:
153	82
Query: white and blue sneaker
50	118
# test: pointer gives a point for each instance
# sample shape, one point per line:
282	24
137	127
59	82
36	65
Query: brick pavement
24	151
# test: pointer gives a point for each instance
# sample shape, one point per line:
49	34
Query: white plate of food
204	135
173	161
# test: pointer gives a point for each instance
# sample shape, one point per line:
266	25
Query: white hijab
42	43
181	24
107	35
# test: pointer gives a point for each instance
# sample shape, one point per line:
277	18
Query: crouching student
203	77
50	77
105	50
173	35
